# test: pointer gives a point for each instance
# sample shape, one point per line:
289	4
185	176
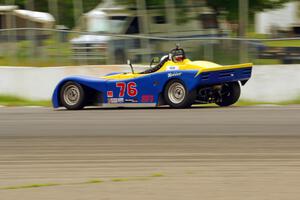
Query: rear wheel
230	94
72	96
177	96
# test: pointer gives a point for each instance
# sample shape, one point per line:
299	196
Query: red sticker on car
147	98
110	94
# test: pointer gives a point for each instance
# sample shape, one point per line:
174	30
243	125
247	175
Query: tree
65	8
230	7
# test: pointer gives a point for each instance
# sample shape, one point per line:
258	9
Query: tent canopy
40	17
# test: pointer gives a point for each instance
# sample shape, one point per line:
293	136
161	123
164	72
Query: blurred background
250	151
80	32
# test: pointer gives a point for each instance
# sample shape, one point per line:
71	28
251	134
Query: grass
8	100
129	179
266	61
93	181
296	101
190	172
285	43
157	175
282	103
34	62
30	186
120	179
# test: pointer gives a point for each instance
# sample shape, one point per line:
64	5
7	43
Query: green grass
137	178
93	181
285	43
50	53
121	179
256	35
157	175
282	103
30	186
266	61
36	62
8	100
190	172
296	101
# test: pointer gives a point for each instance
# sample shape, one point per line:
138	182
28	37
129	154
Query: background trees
229	8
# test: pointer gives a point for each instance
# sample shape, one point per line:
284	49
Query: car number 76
131	89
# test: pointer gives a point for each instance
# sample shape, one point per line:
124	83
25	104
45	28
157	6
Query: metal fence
51	47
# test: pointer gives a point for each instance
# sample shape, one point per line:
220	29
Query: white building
282	18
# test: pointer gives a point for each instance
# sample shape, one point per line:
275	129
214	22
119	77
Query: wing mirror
155	60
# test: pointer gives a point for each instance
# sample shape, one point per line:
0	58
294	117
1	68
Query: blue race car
175	81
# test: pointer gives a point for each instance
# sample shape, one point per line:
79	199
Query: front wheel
177	96
230	94
72	96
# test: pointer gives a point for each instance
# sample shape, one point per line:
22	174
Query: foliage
65	8
8	100
230	7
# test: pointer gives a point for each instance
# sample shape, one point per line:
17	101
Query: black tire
232	92
72	96
186	98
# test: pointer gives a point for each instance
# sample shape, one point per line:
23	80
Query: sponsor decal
110	94
172	68
147	98
174	74
131	100
115	100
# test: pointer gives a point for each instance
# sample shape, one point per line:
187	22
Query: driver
178	58
176	55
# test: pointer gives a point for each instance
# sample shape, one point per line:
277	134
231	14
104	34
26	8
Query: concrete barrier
269	83
274	83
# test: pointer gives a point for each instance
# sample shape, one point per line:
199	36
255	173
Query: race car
175	81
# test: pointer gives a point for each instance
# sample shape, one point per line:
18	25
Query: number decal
122	86
131	89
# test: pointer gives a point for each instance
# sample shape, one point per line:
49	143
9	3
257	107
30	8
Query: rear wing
229	73
228	67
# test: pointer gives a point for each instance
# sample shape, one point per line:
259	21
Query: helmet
178	58
178	55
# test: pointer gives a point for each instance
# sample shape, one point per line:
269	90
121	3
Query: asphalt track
200	153
197	121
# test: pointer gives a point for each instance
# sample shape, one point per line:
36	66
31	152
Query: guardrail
268	83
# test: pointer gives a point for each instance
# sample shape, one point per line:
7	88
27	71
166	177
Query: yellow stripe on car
200	66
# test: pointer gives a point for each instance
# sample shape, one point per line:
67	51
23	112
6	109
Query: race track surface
200	153
197	121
